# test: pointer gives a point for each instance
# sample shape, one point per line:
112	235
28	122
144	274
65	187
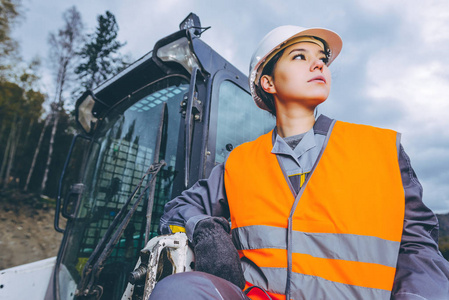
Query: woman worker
320	209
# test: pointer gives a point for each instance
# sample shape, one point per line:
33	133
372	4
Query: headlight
179	51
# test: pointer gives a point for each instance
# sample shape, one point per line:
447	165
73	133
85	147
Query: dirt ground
26	233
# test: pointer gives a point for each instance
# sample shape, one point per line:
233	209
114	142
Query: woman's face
301	76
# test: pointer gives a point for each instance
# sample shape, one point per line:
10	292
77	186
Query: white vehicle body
29	281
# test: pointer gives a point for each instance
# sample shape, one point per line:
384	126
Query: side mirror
84	112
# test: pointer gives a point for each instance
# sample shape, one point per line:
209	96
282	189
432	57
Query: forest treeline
443	241
36	128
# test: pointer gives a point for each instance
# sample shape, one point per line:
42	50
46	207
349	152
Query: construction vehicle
148	133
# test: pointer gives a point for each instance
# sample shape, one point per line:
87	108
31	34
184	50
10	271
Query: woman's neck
293	122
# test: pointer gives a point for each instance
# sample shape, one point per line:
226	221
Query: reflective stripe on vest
325	245
308	287
347	220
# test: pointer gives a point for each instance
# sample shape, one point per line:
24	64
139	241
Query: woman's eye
325	60
299	57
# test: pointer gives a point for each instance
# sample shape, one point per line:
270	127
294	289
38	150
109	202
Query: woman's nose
317	64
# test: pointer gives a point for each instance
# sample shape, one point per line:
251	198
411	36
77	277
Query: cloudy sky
392	72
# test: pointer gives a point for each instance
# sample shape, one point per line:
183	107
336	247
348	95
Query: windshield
121	152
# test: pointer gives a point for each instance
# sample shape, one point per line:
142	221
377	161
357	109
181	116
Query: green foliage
9	12
15	100
100	54
444	246
443	240
11	100
28	77
8	15
20	111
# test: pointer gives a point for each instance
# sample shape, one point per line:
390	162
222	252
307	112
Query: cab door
235	118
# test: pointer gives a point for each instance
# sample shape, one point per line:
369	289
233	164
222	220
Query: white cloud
380	6
413	70
435	26
420	88
434	192
427	19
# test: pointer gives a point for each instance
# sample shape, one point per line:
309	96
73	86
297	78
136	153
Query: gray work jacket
421	273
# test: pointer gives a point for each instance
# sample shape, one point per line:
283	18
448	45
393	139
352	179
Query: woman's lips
318	79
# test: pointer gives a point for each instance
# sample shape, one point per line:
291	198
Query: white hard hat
278	39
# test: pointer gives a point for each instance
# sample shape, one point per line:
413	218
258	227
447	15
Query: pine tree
100	55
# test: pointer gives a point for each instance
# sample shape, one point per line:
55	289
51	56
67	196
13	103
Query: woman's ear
267	84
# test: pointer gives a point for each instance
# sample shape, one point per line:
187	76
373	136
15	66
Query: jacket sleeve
205	198
422	272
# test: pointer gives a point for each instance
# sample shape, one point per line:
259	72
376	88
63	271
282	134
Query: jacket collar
321	126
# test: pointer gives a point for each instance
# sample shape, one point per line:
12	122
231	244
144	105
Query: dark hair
268	98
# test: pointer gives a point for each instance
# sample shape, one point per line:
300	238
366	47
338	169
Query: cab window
239	120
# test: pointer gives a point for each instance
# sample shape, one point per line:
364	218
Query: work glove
214	251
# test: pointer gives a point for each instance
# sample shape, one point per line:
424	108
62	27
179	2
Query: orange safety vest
340	237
